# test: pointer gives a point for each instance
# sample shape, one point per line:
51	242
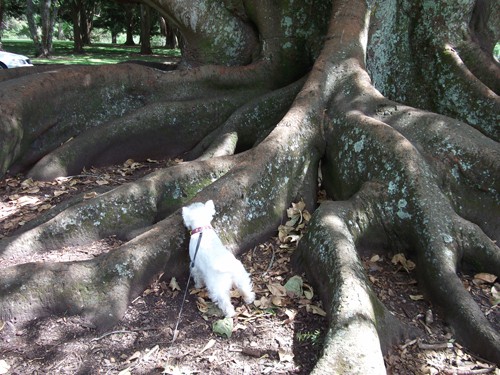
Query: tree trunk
2	25
146	30
396	103
171	40
76	11
130	24
86	17
48	15
30	16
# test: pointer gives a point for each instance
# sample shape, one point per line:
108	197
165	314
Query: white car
11	60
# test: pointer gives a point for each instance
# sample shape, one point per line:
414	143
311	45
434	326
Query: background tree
76	10
146	30
47	11
10	8
132	20
87	20
111	17
170	34
397	100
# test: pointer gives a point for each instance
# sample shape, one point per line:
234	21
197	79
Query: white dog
214	266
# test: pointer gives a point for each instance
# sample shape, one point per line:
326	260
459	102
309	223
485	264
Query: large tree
395	102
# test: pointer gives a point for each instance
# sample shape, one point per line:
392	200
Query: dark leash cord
175	333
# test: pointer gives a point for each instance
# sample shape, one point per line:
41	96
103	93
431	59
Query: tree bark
77	32
130	24
146	30
382	97
30	16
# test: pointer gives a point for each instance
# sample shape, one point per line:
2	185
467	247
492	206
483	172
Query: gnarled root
360	327
121	211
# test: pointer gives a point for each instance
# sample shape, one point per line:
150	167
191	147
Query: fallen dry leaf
263	303
485	277
291	315
209	345
285	356
277	301
400	258
416	297
276	289
308	291
315	310
134	356
44	207
201	304
173	284
33	190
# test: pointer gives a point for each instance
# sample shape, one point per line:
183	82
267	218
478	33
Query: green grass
95	54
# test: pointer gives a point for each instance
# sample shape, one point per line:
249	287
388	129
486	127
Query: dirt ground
281	333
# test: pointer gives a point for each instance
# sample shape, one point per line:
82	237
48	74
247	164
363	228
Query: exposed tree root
119	212
98	95
462	96
99	289
414	208
411	180
370	140
360	328
250	123
167	130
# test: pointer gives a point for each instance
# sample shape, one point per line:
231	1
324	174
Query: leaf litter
281	333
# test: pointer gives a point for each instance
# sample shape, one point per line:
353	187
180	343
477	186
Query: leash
176	332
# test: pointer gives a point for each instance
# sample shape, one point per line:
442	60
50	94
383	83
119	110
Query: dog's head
198	214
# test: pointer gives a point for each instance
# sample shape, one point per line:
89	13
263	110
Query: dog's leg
197	277
245	289
242	282
219	292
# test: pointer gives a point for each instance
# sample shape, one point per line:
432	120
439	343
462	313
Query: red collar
200	229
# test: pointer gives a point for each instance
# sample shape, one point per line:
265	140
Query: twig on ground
462	371
437	346
122	332
271	261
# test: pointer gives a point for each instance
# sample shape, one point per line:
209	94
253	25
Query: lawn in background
95	54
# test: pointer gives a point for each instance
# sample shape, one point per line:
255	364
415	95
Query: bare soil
281	334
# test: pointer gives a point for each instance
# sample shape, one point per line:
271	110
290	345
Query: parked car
12	60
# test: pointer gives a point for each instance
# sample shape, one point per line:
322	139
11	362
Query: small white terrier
214	265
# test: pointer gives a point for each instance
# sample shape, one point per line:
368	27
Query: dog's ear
210	205
184	211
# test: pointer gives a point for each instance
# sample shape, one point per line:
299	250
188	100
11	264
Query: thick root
119	212
99	289
251	123
360	327
440	250
166	130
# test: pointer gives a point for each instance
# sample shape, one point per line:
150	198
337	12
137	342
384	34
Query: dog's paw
249	298
229	313
199	285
